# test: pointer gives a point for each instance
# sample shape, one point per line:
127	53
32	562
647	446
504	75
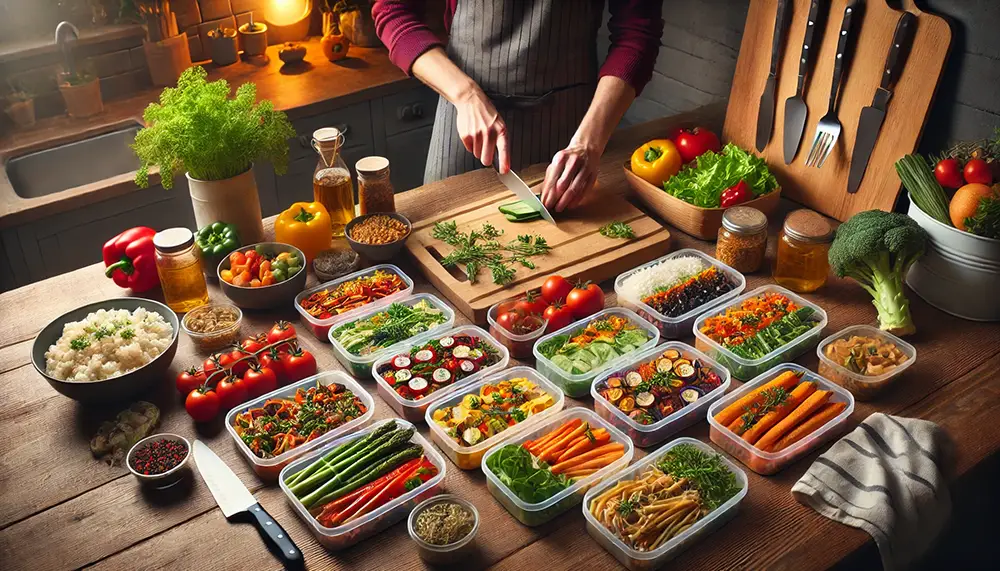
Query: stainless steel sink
74	164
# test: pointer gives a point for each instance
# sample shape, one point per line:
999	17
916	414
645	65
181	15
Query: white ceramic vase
233	200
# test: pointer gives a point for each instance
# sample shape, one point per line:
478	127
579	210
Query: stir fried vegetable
353	294
759	325
397	323
495	408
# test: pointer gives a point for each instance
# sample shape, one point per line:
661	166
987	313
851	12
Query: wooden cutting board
579	251
825	189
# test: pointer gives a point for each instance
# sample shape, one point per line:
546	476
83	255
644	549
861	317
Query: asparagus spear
340	452
330	491
354	462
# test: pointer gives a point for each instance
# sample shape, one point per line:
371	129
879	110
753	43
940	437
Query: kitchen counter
62	509
302	91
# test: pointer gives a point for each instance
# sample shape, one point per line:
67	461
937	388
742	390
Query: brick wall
197	17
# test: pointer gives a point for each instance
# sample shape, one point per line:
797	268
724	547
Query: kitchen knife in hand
523	193
796	110
236	500
872	117
765	114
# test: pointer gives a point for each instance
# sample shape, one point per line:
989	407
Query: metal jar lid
173	240
744	220
808	226
372	166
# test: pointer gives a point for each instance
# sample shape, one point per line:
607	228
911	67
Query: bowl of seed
378	236
444	528
159	461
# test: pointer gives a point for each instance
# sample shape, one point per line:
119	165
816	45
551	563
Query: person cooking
519	82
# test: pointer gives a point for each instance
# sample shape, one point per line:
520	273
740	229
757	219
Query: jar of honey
801	264
180	269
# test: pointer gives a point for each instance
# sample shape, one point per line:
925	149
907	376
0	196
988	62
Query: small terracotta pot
22	113
254	43
225	48
82	100
167	59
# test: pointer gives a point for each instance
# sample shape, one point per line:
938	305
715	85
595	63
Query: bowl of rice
107	351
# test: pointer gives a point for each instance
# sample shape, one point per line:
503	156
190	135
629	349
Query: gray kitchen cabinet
407	154
296	185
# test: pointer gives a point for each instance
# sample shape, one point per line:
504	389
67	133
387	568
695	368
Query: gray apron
536	60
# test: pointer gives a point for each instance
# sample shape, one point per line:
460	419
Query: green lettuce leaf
703	182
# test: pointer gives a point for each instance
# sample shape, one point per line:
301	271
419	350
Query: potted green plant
81	91
198	129
20	106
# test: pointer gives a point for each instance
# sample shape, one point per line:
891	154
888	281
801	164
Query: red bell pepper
419	474
338	509
130	259
736	194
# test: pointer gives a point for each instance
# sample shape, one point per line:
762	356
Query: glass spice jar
375	192
180	269
742	239
801	263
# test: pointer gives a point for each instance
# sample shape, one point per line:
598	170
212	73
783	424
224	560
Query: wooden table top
60	508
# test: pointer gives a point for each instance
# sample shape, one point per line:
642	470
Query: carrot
587	444
580	473
794	418
598	462
549	452
794	399
821	417
736	426
589	455
786	380
557	432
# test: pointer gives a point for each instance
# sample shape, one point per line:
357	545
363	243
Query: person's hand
482	130
571	174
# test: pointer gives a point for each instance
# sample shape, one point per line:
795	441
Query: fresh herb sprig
481	248
617	229
705	471
986	221
773	398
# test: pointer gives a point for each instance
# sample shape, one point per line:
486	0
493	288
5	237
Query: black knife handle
276	538
843	40
778	38
906	28
807	44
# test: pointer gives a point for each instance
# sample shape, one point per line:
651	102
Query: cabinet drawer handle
412	112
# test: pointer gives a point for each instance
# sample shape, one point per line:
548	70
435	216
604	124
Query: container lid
373	165
808	226
744	220
173	240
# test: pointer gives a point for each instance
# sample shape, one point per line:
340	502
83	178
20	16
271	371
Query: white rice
117	342
665	274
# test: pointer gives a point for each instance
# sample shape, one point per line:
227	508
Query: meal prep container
767	463
542	512
646	560
209	342
744	369
321	327
361	365
576	386
343	536
267	469
415	410
444	554
863	387
471	457
680	326
644	435
519	346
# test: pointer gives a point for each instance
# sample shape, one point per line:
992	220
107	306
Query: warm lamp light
285	12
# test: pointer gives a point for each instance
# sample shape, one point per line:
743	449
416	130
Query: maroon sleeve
635	28
398	24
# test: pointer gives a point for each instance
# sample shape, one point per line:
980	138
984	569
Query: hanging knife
765	114
234	498
796	110
872	117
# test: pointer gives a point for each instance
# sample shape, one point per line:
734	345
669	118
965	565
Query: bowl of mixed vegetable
470	422
346	297
768	326
360	342
285	424
659	391
262	276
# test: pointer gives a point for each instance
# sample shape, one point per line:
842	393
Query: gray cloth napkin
884	478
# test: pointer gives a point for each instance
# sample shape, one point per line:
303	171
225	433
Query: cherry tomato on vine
254	344
280	331
232	392
202	405
260	380
272	360
299	364
190	379
238	361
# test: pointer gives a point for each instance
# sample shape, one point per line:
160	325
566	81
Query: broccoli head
877	248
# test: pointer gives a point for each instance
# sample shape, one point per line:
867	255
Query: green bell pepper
217	240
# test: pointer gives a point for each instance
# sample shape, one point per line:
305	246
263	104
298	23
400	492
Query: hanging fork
828	129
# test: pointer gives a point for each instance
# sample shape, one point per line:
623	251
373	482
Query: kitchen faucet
62	30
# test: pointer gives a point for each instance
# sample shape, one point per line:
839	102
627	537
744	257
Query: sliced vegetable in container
759	325
594	345
353	294
496	407
436	364
396	323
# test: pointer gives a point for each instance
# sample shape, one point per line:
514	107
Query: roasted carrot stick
794	418
817	420
580	473
549	452
794	399
786	380
598	462
571	463
536	444
598	439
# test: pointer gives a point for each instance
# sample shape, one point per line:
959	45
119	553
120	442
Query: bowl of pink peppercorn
159	461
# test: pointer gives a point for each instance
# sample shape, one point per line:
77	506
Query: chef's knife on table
235	499
796	110
871	117
765	114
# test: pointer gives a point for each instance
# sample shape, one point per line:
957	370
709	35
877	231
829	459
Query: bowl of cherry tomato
264	275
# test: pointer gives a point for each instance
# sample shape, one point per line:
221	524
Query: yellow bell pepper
307	226
656	161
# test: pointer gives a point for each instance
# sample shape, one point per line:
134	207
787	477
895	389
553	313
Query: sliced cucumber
519	211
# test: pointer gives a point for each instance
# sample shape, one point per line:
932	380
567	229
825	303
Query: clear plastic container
519	346
644	435
646	560
415	410
542	512
321	327
680	326
343	536
268	468
767	463
863	387
576	386
361	365
471	457
744	369
208	342
444	554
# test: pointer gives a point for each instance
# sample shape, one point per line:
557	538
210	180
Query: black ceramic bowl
379	252
265	297
115	389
